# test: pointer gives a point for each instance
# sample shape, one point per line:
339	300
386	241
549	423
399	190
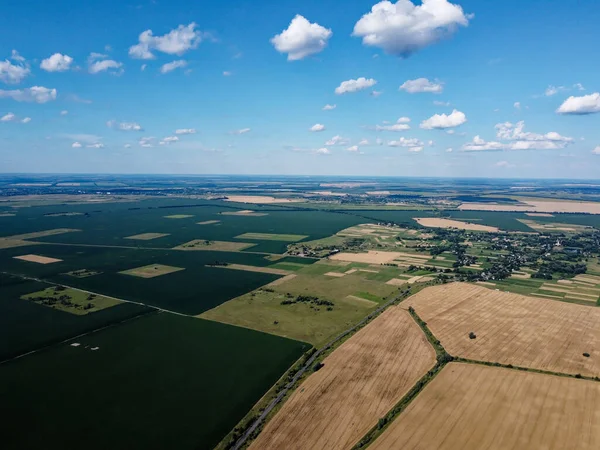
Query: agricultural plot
186	381
272	237
217	246
332	304
358	383
512	329
471	407
433	222
549	227
71	300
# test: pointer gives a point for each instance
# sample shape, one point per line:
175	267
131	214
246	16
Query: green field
161	381
71	300
272	237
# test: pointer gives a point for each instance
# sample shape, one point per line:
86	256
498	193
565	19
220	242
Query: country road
242	440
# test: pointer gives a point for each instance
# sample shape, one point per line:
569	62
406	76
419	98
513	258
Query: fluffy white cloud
586	104
400	125
317	127
403	28
176	42
96	145
406	142
577	86
185	131
322	151
241	131
517	105
124	126
363	142
37	94
169	67
146	142
422	85
329	107
376	93
97	62
353	148
64	112
26	120
301	39
517	139
16	57
355	85
9	117
169	140
514	132
337	140
596	151
415	149
57	63
449	150
76	145
13	73
439	121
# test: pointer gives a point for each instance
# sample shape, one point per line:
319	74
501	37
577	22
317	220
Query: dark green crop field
26	326
161	381
190	291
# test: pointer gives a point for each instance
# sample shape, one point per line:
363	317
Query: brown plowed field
359	383
512	329
473	407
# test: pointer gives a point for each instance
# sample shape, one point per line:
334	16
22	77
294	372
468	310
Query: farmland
159	363
512	329
471	407
358	383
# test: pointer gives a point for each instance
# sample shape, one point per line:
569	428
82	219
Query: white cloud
431	143
317	127
415	149
76	145
403	120
13	73
301	39
329	107
227	73
26	120
400	125
439	121
514	132
37	94
176	42
81	137
596	151
57	63
146	142
323	151
241	131
379	141
449	150
363	142
16	57
517	139
353	148
504	164
143	67
127	146
577	86
9	117
124	126
337	140
355	85
169	140
404	28
406	142
64	112
169	67
439	103
97	63
422	85
517	105
586	104
552	90
96	145
376	93
185	131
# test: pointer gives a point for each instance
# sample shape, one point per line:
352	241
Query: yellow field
216	246
359	383
540	206
38	259
151	271
433	222
473	407
147	236
512	329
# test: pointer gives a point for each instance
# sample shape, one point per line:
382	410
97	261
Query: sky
457	88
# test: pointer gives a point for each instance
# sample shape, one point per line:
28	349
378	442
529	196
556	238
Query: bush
472	335
317	366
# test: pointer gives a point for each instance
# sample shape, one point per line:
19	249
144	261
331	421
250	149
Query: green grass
78	302
162	381
368	296
287	266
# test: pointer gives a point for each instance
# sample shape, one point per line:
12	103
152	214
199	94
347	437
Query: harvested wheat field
215	246
542	206
260	199
147	236
244	213
512	329
359	382
151	271
371	257
433	222
39	259
472	407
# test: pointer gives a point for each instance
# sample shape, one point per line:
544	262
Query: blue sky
510	87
